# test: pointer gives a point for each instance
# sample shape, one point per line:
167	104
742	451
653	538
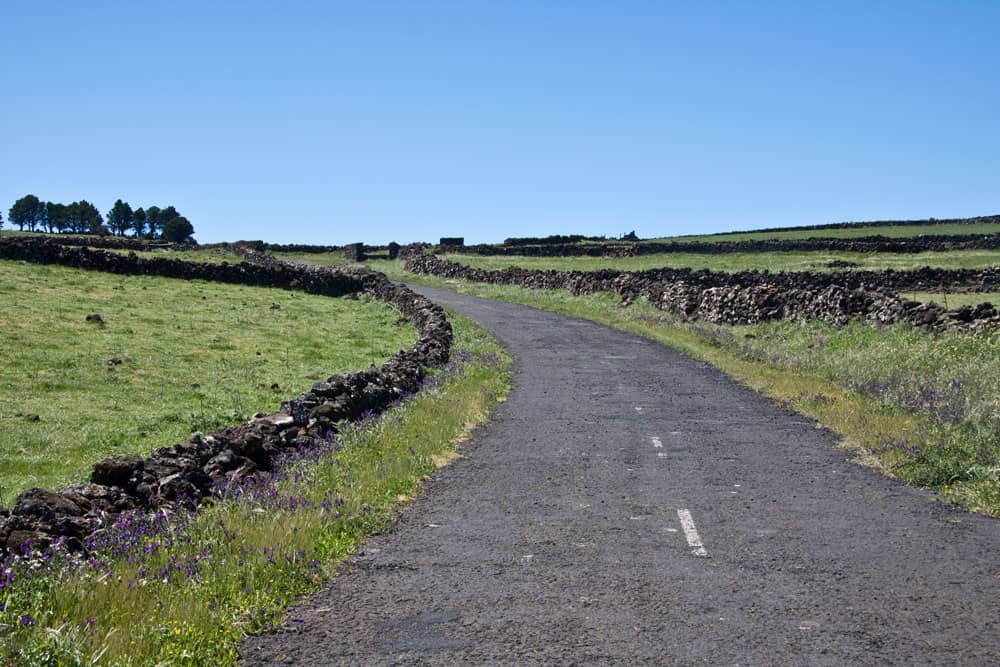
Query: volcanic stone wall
550	240
625	282
187	472
48	251
867	244
983	219
298	247
920	279
108	242
747	297
263	246
354	252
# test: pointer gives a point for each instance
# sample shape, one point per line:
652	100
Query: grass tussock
170	357
184	588
922	407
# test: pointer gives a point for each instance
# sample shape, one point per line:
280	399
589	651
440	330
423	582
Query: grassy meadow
171	357
922	407
205	255
184	589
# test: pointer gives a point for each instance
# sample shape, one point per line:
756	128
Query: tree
83	217
156	218
120	217
41	217
58	216
139	221
48	220
168	214
26	211
178	230
73	222
90	217
153	220
1	221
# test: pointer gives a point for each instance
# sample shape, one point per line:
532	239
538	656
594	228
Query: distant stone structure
393	250
453	241
354	252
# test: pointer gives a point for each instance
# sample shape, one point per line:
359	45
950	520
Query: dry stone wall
868	244
109	242
188	471
983	219
747	297
49	251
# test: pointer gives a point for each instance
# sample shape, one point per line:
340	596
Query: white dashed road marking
691	533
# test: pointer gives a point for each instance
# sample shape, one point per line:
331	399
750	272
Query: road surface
629	505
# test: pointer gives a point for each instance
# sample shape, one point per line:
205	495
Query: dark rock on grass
21	540
332	410
176	487
75	528
98	498
95	318
45	505
227	461
119	471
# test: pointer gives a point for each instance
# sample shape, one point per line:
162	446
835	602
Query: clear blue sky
375	121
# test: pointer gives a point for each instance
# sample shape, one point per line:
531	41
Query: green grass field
954	299
206	255
321	258
891	231
171	357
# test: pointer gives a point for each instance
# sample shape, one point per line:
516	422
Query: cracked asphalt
629	505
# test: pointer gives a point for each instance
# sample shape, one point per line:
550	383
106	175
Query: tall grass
184	588
949	381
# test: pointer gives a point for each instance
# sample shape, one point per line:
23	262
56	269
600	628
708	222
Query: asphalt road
630	505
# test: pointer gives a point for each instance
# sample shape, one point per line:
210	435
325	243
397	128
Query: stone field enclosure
160	554
112	351
169	357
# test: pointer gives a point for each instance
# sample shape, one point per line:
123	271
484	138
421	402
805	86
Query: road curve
630	505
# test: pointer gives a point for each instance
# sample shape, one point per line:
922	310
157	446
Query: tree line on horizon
82	217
